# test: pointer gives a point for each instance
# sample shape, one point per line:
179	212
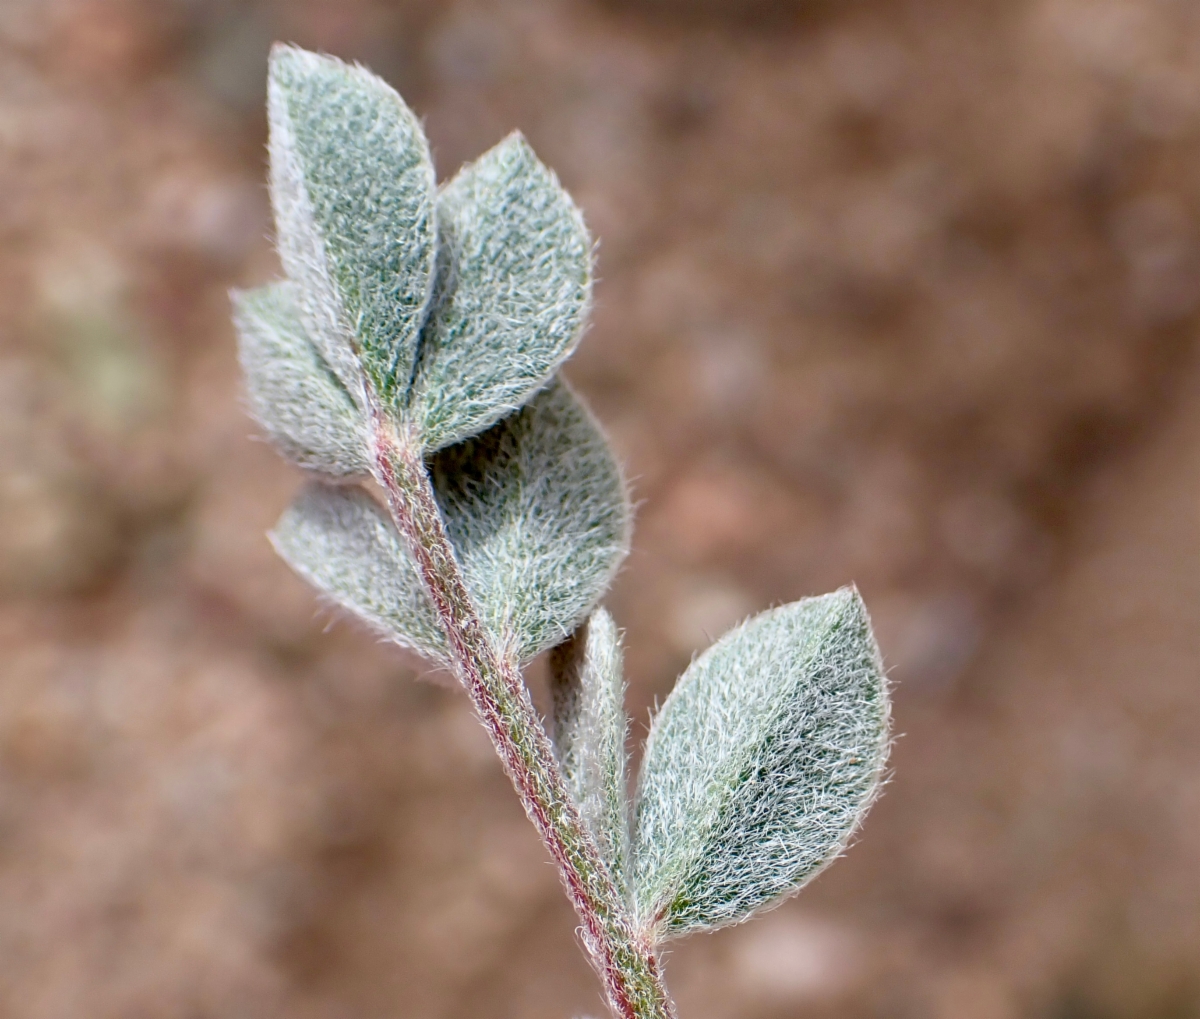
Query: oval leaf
352	186
760	765
536	510
298	401
538	513
342	542
512	293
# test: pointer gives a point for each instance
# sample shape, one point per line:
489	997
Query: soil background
898	292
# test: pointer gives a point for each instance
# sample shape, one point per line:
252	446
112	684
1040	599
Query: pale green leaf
590	726
298	401
537	513
760	765
353	189
342	542
511	298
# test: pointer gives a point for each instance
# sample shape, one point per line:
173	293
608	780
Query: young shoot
415	342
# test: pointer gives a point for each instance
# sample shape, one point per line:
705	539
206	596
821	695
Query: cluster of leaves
442	315
446	312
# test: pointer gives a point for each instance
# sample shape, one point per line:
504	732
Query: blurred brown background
904	292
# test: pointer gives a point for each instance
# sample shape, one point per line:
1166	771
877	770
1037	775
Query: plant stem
621	953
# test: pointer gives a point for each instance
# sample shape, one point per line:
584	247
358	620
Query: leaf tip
289	64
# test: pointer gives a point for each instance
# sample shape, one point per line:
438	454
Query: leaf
760	765
512	293
590	726
296	398
537	513
342	542
353	188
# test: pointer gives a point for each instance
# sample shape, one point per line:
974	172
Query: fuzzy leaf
536	510
590	726
353	188
342	542
296	398
512	293
538	513
760	764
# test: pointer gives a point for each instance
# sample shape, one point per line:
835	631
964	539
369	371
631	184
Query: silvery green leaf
590	725
353	189
299	402
342	542
537	513
760	765
512	293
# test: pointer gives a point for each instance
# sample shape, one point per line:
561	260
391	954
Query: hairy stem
620	952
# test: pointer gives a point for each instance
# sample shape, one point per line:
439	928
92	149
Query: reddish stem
622	955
